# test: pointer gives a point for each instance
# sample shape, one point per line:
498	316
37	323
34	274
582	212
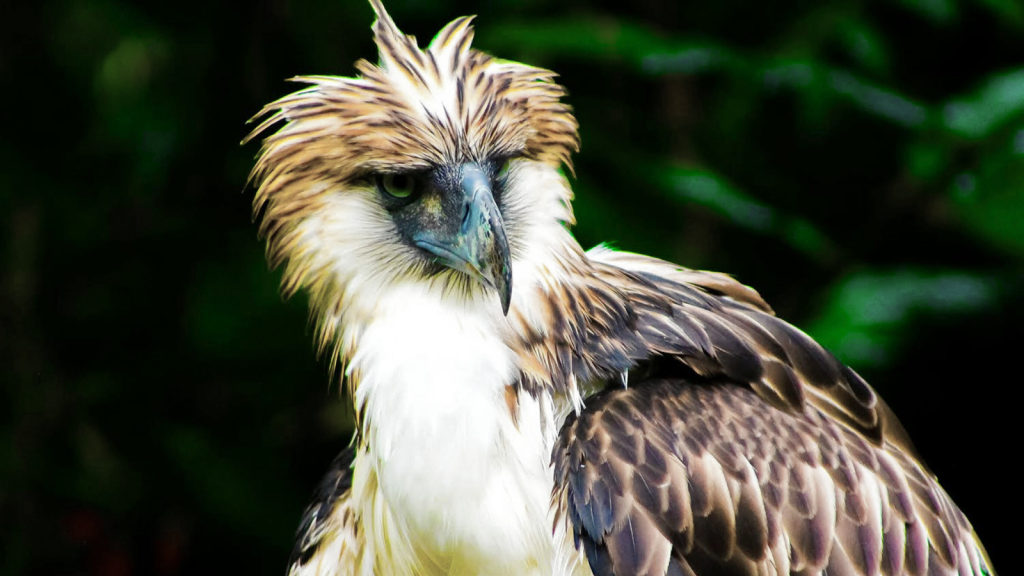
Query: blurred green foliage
858	162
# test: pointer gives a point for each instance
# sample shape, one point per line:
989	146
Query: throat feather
422	365
458	471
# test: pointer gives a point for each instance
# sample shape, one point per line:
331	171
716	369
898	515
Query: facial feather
414	110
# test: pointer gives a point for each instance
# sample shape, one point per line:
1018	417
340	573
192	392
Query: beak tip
505	290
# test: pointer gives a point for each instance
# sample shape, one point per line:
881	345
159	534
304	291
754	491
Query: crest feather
415	109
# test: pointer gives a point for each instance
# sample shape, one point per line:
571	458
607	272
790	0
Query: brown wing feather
328	540
742	444
701	476
621	310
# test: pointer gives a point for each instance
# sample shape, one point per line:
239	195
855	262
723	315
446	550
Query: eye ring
398	185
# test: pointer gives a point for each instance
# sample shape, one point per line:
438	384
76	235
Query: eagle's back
742	447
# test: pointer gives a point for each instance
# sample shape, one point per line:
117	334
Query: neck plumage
445	439
419	356
428	333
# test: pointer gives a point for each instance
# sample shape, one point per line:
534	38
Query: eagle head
432	167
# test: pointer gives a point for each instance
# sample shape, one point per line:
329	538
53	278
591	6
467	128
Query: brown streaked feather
732	451
328	541
617	312
790	460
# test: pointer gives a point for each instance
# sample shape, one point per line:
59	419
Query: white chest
451	483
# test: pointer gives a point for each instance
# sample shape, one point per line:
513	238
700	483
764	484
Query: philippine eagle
528	407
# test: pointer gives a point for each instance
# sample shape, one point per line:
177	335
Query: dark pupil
400	182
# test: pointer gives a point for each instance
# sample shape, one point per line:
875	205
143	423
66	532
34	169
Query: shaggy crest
417	108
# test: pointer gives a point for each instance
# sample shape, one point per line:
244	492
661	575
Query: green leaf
864	44
127	71
992	106
713	192
604	39
938	11
878	101
649	53
1009	11
821	86
990	200
926	160
868	314
588	38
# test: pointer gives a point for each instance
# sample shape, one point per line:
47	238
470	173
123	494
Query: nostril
466	209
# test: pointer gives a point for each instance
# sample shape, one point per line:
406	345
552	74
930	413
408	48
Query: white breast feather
450	484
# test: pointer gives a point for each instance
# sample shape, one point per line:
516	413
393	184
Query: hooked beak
478	245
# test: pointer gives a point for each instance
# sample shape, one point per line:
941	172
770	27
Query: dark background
163	412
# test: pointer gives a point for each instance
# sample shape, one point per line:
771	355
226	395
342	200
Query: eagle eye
400	186
503	168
